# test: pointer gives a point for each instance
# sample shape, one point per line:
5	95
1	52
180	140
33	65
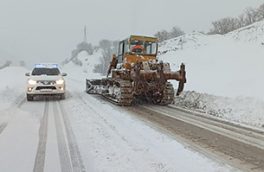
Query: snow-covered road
83	133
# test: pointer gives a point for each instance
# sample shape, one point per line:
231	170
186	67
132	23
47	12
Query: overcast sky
48	30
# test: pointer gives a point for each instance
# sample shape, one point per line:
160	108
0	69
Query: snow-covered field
223	72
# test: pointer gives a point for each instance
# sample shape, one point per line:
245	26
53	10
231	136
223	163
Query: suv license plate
45	90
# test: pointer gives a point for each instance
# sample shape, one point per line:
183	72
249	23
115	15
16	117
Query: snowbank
13	84
243	110
12	91
222	67
230	67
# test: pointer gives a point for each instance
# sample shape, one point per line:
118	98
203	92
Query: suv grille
47	82
46	87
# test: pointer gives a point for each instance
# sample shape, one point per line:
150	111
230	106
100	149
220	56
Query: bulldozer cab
137	49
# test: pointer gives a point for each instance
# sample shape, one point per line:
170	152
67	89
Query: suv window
45	71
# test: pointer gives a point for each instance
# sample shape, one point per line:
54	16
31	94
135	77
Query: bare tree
175	32
242	20
162	35
250	16
90	49
225	25
228	24
165	35
260	12
108	48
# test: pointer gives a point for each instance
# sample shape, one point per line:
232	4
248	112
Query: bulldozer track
125	96
238	146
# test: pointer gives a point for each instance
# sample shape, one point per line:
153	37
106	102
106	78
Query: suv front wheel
62	96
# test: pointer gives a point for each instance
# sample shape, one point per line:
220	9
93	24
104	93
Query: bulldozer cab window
151	48
126	47
120	52
136	47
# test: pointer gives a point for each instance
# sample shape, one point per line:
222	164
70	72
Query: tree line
228	24
108	48
165	35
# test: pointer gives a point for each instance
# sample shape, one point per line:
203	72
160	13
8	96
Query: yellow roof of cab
143	38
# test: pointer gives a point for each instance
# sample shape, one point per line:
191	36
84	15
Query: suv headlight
32	82
60	81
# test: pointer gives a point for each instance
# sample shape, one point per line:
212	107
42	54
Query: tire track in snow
108	124
2	127
17	103
20	100
75	155
65	160
43	131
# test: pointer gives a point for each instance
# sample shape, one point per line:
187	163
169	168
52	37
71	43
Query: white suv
45	79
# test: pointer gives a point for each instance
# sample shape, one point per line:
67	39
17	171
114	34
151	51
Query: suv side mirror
63	74
27	74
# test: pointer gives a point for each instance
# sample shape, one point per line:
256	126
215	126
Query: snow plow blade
92	86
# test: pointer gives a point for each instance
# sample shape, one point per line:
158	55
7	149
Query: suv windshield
45	71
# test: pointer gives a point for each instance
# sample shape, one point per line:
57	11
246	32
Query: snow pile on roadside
224	66
12	90
13	84
244	110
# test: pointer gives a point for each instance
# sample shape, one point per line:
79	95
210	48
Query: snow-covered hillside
253	34
217	64
83	65
228	65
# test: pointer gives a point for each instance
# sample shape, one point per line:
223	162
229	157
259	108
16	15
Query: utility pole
85	35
